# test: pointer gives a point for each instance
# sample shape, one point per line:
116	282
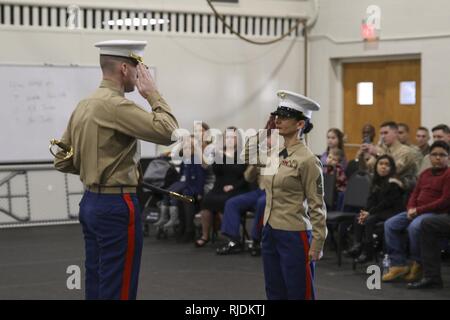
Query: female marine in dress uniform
295	214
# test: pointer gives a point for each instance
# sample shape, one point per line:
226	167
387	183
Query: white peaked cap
291	103
123	48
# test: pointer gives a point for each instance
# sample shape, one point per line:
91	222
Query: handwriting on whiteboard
36	101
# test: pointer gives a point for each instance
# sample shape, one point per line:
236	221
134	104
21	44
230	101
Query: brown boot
395	273
415	273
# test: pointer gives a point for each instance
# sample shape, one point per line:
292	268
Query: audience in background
422	138
431	196
238	206
335	141
229	182
201	132
394	164
386	199
190	183
404	138
254	201
403	134
333	166
405	158
435	228
362	156
440	132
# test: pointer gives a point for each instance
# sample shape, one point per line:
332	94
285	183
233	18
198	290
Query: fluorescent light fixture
136	22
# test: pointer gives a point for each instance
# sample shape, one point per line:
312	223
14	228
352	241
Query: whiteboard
36	104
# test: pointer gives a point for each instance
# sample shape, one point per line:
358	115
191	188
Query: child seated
191	183
333	166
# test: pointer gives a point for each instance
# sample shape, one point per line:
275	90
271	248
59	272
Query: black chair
379	246
355	198
330	192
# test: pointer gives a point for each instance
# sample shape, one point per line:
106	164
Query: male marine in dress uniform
103	132
406	159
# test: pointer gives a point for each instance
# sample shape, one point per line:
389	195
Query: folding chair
355	198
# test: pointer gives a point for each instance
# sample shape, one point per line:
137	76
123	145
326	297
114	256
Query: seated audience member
435	228
228	183
430	197
191	183
333	166
385	200
201	133
252	201
335	141
403	138
236	207
422	138
440	133
403	134
362	156
433	231
406	160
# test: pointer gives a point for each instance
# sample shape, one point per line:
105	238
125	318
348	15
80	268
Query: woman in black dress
229	182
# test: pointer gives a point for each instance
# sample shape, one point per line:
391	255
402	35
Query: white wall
419	28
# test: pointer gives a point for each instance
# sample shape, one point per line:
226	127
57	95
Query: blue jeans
394	229
236	206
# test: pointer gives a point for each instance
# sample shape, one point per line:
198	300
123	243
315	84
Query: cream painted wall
218	79
222	81
418	28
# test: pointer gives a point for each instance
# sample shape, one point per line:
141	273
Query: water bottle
386	264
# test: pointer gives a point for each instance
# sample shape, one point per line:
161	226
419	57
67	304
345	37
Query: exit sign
368	32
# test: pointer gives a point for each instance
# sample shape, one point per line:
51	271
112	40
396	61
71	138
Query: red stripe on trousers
130	250
261	222
308	293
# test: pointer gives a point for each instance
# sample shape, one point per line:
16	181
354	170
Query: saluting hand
145	83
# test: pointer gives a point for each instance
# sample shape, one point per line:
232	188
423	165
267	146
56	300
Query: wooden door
388	79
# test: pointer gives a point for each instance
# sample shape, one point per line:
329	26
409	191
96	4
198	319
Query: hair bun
308	127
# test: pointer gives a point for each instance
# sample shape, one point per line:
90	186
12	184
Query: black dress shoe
426	283
230	248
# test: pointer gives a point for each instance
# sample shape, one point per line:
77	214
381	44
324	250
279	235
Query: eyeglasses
442	155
